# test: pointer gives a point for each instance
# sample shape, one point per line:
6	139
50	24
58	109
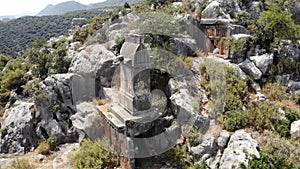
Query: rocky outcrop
90	59
17	131
88	120
97	62
54	108
263	61
234	154
249	67
214	11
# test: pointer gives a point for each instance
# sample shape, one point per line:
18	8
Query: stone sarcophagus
134	76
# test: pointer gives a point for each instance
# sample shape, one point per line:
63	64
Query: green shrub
44	148
292	115
193	136
13	79
93	156
233	120
81	35
119	43
223	87
178	157
55	107
263	162
21	164
282	152
276	24
274	91
262	116
52	141
283	128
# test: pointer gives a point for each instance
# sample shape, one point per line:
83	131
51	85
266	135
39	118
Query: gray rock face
223	139
249	67
254	9
234	154
231	6
54	121
263	62
184	45
296	12
206	148
18	136
283	79
88	120
288	50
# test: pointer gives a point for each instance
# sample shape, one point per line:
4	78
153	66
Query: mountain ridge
61	8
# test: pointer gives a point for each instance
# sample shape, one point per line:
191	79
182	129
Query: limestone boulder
207	147
88	120
263	61
223	139
183	45
17	131
214	11
98	63
90	59
295	128
249	67
235	153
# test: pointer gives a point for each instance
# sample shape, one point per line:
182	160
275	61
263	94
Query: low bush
93	156
44	148
262	116
274	91
292	115
21	164
178	157
193	136
283	128
233	120
282	152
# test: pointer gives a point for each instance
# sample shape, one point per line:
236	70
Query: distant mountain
62	8
111	3
7	17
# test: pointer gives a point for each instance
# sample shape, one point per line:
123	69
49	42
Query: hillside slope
16	35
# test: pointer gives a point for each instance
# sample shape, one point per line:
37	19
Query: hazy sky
15	7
